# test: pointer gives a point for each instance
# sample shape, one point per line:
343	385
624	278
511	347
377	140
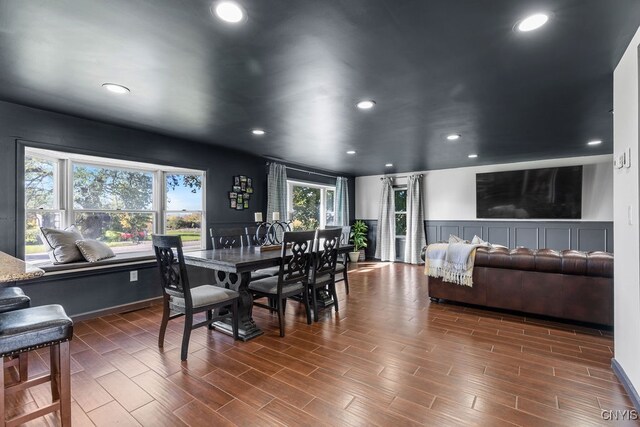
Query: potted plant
359	239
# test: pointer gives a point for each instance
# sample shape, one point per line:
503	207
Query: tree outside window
310	206
401	211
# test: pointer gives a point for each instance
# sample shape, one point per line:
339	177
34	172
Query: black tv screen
550	193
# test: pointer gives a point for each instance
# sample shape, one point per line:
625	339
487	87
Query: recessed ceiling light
532	22
389	165
257	131
472	156
453	137
351	152
366	104
229	11
112	87
595	142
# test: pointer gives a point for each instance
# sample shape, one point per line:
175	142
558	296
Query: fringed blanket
453	262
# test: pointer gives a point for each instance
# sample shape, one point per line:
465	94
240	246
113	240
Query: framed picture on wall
240	193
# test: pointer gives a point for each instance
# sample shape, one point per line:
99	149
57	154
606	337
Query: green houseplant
359	239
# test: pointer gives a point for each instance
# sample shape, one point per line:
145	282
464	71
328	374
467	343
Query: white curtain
276	191
415	240
342	201
386	240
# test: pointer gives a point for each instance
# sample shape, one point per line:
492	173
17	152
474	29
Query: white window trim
63	184
323	197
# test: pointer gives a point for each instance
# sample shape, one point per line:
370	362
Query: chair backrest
173	271
254	236
326	251
224	238
296	267
345	235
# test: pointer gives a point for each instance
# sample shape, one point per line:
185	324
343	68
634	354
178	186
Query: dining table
232	269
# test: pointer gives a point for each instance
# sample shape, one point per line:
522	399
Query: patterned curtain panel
415	221
342	201
277	191
386	245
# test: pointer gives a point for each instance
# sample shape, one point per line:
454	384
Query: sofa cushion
94	251
62	244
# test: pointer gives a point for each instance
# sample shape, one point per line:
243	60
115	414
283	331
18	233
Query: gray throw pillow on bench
94	251
62	244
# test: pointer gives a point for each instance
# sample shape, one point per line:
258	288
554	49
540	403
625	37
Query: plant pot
353	256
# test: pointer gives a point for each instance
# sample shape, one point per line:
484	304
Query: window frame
58	195
397	212
63	185
323	199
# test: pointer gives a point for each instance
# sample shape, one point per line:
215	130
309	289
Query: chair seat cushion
35	327
206	295
13	298
269	285
325	278
339	268
267	272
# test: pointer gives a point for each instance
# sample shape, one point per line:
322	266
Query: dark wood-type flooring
390	358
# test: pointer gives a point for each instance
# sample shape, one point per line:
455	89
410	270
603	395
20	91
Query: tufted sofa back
594	264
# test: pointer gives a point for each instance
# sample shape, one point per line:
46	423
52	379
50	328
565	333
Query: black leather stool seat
32	328
13	298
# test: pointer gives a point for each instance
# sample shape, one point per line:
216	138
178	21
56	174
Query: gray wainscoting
558	235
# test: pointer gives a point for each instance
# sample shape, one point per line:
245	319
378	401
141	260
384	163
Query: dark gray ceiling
297	68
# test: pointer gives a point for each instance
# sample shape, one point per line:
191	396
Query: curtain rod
309	172
394	176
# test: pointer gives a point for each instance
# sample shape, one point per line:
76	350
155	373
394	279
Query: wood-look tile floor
390	357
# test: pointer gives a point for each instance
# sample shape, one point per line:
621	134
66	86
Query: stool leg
65	384
54	357
23	366
3	420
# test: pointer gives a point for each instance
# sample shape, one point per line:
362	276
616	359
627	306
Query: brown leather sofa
569	285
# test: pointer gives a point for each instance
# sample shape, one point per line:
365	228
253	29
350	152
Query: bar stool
22	331
12	298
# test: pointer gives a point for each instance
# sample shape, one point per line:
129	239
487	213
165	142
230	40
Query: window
310	206
117	202
42	201
401	211
183	208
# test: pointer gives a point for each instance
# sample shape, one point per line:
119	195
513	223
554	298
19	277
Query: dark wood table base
239	282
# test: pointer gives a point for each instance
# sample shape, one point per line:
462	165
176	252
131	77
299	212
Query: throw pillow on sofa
62	244
455	239
94	251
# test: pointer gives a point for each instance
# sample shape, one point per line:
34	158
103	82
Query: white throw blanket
453	262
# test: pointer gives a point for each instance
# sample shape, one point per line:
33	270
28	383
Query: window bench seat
119	261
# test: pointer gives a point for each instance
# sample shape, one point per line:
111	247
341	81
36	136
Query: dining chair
223	238
342	267
293	276
324	266
179	297
255	237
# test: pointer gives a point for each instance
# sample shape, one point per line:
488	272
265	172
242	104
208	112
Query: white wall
626	234
450	194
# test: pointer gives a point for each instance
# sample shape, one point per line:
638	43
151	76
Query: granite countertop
14	269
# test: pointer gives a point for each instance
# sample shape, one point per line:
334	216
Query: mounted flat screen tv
550	193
